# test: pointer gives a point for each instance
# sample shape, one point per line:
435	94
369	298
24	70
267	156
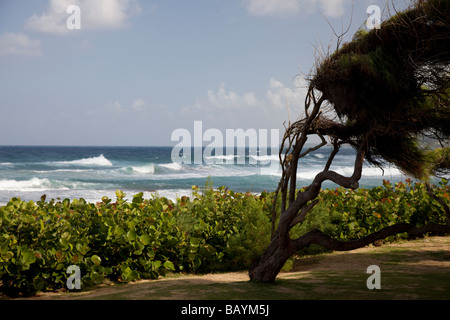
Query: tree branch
320	238
312	191
303	212
346	182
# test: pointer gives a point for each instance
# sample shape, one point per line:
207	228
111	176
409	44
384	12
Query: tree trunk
276	255
272	261
282	246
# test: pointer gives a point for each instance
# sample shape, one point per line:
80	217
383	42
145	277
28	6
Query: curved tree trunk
271	262
282	247
366	124
276	255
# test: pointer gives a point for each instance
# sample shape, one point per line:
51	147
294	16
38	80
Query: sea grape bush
127	240
352	214
214	230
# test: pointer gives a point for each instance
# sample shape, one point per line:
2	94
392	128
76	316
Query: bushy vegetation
353	214
128	240
391	86
214	230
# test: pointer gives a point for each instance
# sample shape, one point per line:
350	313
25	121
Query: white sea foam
145	169
347	171
152	168
222	157
64	170
94	161
34	184
371	171
43	184
266	158
172	166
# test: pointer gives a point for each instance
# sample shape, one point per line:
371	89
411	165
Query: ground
418	269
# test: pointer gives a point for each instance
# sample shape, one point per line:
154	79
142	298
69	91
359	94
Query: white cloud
271	109
138	105
280	97
223	99
334	8
19	44
108	14
330	8
272	7
95	14
117	108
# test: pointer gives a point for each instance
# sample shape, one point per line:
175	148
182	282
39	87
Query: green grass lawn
418	269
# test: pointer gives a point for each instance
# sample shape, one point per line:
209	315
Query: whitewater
90	173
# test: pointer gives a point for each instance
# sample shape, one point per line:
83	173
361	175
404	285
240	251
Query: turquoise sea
62	172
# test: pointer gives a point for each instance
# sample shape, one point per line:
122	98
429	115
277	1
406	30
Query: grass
418	269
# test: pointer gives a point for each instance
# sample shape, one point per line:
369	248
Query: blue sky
138	70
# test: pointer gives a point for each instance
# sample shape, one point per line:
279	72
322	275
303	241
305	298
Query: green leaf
129	275
194	241
191	256
156	264
96	260
131	235
7	255
83	249
118	231
169	265
132	224
138	198
64	242
288	266
145	239
38	283
29	257
106	200
151	254
96	277
66	203
120	194
59	266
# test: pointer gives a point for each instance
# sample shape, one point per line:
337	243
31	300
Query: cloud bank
330	8
218	107
19	44
95	14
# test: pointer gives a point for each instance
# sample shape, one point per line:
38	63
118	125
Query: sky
137	70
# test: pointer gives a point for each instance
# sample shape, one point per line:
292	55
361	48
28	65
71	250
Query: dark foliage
392	86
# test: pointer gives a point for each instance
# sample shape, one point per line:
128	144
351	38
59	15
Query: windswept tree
386	94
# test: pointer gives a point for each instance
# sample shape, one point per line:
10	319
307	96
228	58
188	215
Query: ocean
90	173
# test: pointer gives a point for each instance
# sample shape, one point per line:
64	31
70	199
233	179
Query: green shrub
215	230
126	241
352	214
